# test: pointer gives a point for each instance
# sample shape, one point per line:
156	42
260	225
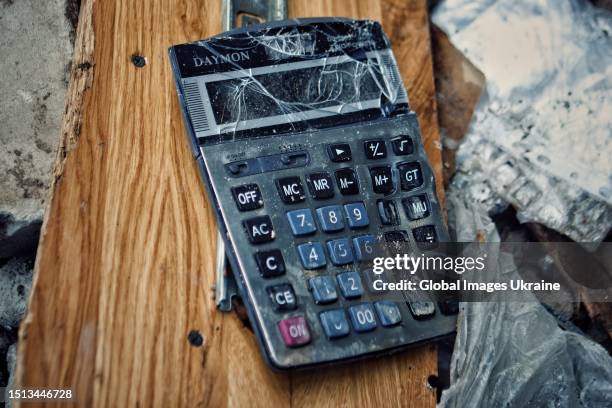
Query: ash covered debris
541	137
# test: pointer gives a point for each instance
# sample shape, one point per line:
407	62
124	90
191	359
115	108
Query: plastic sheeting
542	135
513	354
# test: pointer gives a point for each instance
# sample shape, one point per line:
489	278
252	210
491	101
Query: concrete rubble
36	40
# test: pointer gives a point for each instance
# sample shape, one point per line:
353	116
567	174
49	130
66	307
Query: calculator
313	161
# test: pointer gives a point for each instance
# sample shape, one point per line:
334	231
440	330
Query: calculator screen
278	80
328	88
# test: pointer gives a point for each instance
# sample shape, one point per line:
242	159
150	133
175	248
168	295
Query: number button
294	331
350	285
270	263
247	197
259	229
301	222
382	180
335	324
323	289
411	175
340	251
364	247
311	255
416	207
375	149
387	212
331	218
340	152
347	181
290	190
282	297
320	185
362	317
388	313
402	145
356	215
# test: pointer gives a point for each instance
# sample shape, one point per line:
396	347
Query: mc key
312	159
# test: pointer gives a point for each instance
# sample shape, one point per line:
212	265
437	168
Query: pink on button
295	331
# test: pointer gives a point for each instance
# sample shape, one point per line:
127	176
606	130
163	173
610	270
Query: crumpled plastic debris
542	134
513	354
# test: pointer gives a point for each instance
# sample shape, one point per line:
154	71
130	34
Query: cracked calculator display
325	88
289	78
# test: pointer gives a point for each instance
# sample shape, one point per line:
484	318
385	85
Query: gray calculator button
356	215
320	185
402	145
301	222
259	229
340	251
282	297
311	255
422	310
382	179
387	212
290	190
323	289
416	207
425	236
331	218
340	152
375	149
362	317
411	175
388	313
364	247
270	263
347	181
335	324
247	197
350	285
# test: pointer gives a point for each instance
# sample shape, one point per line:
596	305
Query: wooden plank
126	259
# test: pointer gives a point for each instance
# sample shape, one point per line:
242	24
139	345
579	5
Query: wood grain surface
125	266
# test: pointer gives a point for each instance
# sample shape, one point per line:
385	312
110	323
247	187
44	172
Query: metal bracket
240	13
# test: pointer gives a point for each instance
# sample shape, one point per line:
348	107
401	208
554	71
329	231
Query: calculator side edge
191	135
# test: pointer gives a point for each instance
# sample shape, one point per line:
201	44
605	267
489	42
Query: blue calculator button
362	317
311	255
335	324
356	215
388	313
323	289
340	251
331	218
301	222
350	285
364	247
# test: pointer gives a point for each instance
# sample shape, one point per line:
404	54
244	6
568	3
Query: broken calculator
312	158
